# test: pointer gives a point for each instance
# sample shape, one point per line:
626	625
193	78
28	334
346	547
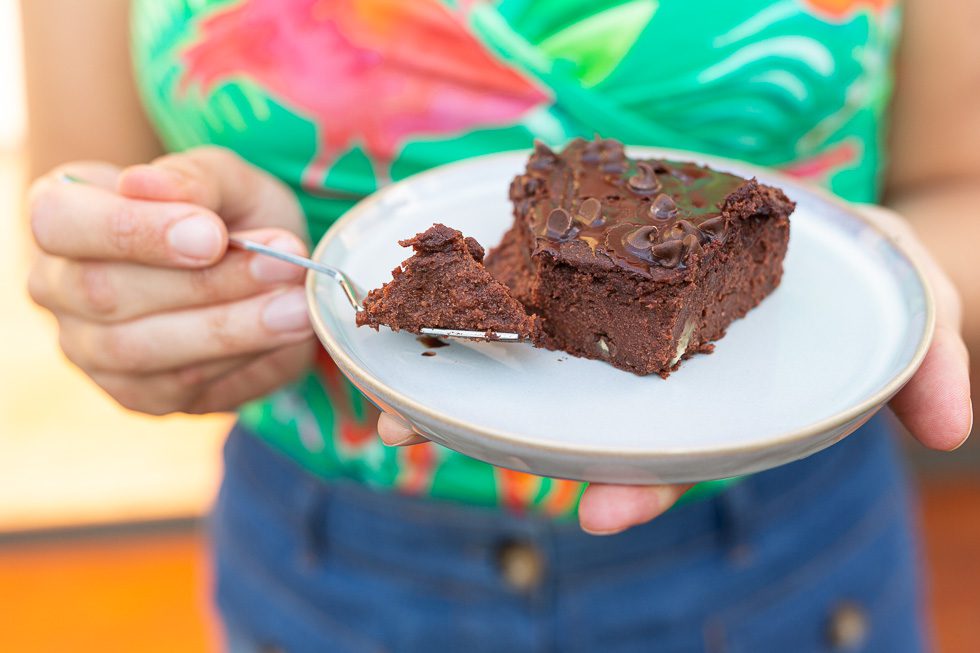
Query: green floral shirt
338	97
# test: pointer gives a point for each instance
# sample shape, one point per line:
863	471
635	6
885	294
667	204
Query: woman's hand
133	265
934	405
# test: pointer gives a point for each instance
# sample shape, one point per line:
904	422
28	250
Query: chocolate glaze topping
642	215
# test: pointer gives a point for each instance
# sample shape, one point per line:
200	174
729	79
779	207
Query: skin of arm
81	95
934	176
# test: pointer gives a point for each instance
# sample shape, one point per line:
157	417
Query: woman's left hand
934	406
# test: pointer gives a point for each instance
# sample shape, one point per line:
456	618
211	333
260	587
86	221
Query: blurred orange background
102	539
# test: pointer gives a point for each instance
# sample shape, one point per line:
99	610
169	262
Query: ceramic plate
847	327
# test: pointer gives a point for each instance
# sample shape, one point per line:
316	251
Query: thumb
396	432
216	178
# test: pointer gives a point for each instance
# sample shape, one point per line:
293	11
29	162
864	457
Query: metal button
847	627
521	565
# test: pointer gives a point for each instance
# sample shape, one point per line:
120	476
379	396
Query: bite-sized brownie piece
641	263
444	285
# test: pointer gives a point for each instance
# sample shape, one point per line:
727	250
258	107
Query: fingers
215	386
168	341
258	378
603	510
84	221
220	180
609	509
168	392
113	292
935	404
172	178
396	432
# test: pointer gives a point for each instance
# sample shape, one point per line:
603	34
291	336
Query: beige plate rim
367	382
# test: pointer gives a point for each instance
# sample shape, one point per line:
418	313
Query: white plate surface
847	327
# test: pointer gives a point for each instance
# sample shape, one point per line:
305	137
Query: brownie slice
444	285
641	263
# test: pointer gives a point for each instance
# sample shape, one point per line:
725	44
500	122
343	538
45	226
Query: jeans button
847	627
520	564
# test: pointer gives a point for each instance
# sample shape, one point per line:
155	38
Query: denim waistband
348	516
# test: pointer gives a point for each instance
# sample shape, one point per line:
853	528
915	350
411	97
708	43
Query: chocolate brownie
444	285
641	263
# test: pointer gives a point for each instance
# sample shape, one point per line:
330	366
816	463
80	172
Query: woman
326	539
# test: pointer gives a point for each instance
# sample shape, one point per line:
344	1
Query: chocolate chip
645	180
543	157
715	228
613	157
608	152
559	224
612	149
590	211
663	207
668	254
642	238
682	229
691	245
614	167
592	152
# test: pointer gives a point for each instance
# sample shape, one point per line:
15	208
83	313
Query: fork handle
345	284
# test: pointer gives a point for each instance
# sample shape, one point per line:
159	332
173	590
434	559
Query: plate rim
521	442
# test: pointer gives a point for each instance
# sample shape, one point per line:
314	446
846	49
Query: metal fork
354	295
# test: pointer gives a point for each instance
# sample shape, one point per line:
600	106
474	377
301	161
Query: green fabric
338	97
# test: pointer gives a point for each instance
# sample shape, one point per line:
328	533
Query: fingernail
196	237
412	438
266	269
613	531
287	312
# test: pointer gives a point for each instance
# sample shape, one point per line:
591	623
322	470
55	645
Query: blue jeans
817	555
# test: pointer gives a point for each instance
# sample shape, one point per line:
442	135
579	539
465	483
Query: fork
354	294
